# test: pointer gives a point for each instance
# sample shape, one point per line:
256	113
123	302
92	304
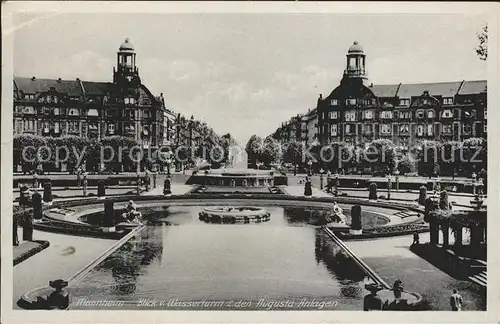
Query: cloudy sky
246	73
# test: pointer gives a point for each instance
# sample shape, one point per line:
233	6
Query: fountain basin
232	215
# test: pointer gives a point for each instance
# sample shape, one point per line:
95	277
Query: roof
126	46
34	85
385	90
355	48
96	88
445	89
473	87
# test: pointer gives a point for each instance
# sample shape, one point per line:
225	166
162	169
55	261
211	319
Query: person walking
416	238
456	301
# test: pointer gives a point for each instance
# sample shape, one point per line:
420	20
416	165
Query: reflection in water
135	255
339	264
283	259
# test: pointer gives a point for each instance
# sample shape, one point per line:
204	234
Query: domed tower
356	64
126	72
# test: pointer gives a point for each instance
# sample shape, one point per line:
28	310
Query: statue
373	302
131	215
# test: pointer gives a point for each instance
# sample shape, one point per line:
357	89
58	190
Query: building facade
358	112
126	107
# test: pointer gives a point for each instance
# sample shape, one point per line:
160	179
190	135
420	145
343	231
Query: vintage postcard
249	162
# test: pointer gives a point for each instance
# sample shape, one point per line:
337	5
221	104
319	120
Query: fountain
233	215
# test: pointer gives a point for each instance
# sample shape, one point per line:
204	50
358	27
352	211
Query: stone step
480	279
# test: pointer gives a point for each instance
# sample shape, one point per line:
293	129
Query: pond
180	262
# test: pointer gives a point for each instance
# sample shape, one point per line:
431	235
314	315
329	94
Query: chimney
320	96
33	78
371	85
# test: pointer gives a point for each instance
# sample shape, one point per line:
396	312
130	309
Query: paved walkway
299	191
392	259
64	257
27	249
177	189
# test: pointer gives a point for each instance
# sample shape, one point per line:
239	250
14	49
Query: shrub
373	191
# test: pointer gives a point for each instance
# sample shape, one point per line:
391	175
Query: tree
271	151
450	157
380	156
28	159
473	154
482	49
254	148
429	157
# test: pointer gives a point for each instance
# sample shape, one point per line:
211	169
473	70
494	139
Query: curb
43	245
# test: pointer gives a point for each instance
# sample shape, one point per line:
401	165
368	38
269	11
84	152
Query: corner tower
126	72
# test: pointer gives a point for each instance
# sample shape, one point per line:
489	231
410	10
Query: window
430	114
132	101
404	115
334	114
55	99
29	125
49	99
147	114
56	111
126	101
93	127
485	128
386	114
447	129
131	114
447	101
92	112
111	128
404	129
73	126
348	129
57	127
420	114
467	128
350	102
386	129
368	129
334	102
333	130
368	114
46	127
404	102
28	110
350	116
429	129
485	113
447	113
473	112
404	141
420	130
73	112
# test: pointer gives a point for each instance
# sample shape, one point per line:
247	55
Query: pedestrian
416	238
456	301
372	301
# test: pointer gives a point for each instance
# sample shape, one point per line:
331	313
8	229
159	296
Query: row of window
402	102
73	126
75	112
422	130
369	114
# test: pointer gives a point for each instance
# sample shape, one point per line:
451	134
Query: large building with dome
359	111
126	107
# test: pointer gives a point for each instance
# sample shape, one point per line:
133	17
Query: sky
247	73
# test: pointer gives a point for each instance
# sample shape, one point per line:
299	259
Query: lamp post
396	173
474	177
321	171
309	163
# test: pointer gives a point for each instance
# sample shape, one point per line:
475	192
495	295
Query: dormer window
73	112
420	114
111	128
430	114
350	102
447	114
334	102
404	102
447	101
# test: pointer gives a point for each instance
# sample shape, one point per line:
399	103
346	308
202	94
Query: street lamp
396	173
309	163
321	171
474	177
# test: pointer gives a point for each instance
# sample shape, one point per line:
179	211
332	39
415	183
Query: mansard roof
473	87
444	89
35	85
97	88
